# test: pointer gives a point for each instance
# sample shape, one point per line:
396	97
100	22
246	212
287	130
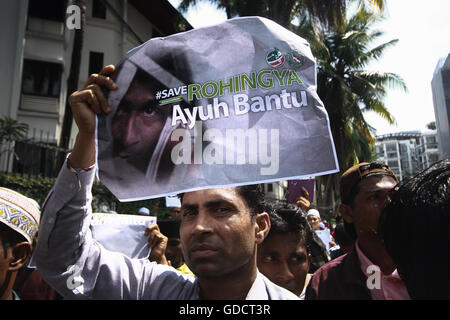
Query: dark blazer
339	279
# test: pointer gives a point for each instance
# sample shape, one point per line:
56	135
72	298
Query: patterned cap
19	213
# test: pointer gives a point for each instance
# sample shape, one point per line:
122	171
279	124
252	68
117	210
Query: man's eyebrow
376	190
270	252
188	206
371	190
299	254
209	204
218	202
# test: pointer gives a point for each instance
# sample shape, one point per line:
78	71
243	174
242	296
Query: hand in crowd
302	201
158	244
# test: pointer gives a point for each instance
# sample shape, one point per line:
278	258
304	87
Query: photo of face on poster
218	106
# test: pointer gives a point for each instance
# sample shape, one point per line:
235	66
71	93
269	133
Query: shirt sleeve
78	267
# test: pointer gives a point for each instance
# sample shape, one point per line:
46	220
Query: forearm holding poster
230	104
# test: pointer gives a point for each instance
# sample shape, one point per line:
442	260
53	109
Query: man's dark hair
341	235
9	237
253	196
414	228
287	219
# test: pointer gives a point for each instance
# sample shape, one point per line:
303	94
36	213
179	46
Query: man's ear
346	212
262	229
309	259
20	252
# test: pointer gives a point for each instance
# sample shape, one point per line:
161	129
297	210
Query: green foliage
35	188
11	130
104	200
432	125
327	13
38	188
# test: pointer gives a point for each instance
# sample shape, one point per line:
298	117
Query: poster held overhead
226	105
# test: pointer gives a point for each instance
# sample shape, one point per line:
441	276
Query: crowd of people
390	242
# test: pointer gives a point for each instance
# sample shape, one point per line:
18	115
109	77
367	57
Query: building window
403	148
380	151
95	62
98	9
393	164
391	155
405	164
431	139
54	10
431	143
432	158
41	78
269	187
391	147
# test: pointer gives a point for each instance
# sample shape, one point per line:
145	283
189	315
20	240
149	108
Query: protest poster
226	105
325	236
295	189
124	233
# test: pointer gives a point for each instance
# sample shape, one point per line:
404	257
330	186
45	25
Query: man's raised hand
85	103
90	100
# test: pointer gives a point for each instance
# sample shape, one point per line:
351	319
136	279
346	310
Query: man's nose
203	224
130	133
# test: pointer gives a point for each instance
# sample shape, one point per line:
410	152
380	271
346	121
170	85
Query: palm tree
348	90
345	86
328	13
11	131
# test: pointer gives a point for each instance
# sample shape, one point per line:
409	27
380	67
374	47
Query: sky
422	28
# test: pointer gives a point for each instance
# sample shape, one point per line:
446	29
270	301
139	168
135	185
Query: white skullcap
313	212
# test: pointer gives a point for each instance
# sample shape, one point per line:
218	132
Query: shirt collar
363	260
365	263
258	290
